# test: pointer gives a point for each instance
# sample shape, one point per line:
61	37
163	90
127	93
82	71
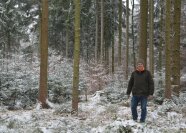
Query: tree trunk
176	47
167	51
76	57
113	35
160	48
127	39
133	37
151	37
98	32
96	38
102	31
67	36
120	32
143	30
44	54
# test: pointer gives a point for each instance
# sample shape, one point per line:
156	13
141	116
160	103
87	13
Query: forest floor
95	116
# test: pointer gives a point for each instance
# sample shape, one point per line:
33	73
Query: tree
14	20
107	32
167	51
67	30
87	29
76	57
133	37
176	47
113	34
97	31
61	26
102	30
44	54
160	45
120	32
151	37
127	38
143	30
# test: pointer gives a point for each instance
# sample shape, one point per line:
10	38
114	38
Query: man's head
140	65
140	61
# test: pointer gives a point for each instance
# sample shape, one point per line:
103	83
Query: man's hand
150	97
128	96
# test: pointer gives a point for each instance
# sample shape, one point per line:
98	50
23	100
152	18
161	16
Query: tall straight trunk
113	51
161	40
102	31
76	57
127	39
96	38
143	30
160	48
67	38
120	32
107	59
8	34
167	51
43	91
133	37
176	47
113	34
151	37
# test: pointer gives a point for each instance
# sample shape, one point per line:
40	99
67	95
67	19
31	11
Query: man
141	85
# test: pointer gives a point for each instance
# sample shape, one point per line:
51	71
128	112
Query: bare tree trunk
167	51
151	37
102	31
67	36
120	32
75	92
43	91
143	30
176	47
160	48
113	35
133	47
127	39
96	38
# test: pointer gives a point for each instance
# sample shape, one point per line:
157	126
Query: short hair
140	61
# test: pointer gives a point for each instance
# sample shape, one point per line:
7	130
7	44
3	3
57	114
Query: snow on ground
95	116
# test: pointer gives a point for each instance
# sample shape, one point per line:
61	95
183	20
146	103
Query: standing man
141	85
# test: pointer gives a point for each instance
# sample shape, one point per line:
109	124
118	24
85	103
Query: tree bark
96	38
102	31
143	30
127	39
167	51
133	42
75	91
113	35
151	37
43	91
176	47
120	32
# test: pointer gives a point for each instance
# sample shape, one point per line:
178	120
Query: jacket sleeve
130	84
151	84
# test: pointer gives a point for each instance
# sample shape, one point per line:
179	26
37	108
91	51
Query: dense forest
65	53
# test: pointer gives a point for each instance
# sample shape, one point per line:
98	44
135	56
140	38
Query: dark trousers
134	103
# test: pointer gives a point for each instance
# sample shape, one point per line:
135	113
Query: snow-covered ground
95	116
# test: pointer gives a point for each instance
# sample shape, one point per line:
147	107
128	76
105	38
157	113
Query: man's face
139	65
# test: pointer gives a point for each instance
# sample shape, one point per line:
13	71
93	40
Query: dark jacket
141	84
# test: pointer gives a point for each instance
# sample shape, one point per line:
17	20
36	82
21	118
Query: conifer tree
167	51
176	47
43	91
76	57
143	30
